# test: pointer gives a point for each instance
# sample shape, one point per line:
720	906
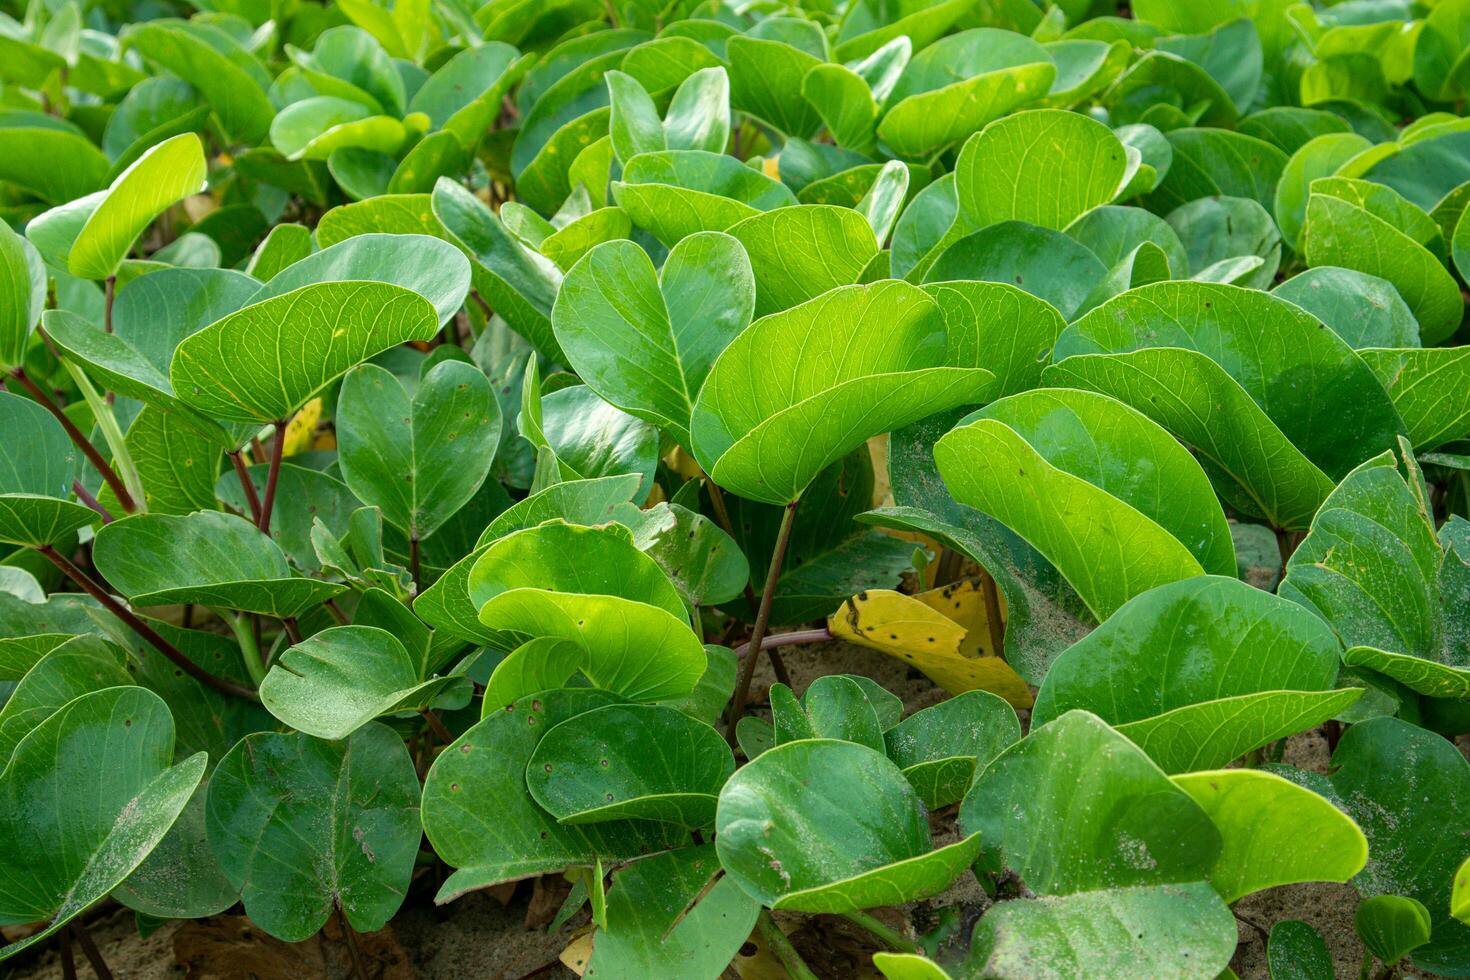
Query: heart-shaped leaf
645	340
940	749
304	826
22	295
422	472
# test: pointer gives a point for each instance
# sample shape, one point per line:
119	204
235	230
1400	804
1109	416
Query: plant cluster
422	420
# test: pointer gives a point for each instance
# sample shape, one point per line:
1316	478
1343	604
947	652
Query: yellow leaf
301	428
964	603
577	953
914	630
771	167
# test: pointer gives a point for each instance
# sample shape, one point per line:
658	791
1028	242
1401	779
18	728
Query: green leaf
304	826
86	796
1363	310
1045	263
1303	378
518	284
1163	930
262	363
446	604
176	463
56	165
429	266
1322	156
630	762
897	369
798	253
206	557
422	472
1056	452
334	682
22	295
39	465
1217	163
1392	926
1000	328
481	819
1385	771
1174	654
1274	832
1224	236
788	837
593	587
230	80
680	192
941	748
668	916
158	179
543	664
1043	166
959	84
1296	951
766	75
1339	232
644	340
702	561
1430	389
75	667
1142	830
1373	570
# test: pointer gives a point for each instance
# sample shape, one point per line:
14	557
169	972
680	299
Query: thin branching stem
104	468
779	945
762	621
85	496
881	932
147	632
252	499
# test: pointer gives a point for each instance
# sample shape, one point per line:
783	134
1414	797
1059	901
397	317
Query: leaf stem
880	932
778	944
90	950
775	640
350	936
143	629
124	499
109	293
993	619
762	621
278	446
413	559
85	496
252	499
249	648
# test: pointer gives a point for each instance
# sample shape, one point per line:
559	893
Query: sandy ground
479	937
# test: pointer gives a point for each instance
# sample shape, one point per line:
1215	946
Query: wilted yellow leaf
964	603
913	629
577	953
301	428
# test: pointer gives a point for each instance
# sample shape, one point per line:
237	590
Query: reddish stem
278	446
124	499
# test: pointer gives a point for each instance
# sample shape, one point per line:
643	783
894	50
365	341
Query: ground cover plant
435	436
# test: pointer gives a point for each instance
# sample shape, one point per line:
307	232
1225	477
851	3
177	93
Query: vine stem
879	931
762	621
143	629
775	640
249	647
124	498
278	447
722	517
252	499
778	944
350	935
109	293
90	950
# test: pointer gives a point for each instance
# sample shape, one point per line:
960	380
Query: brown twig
993	621
147	632
124	499
90	950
